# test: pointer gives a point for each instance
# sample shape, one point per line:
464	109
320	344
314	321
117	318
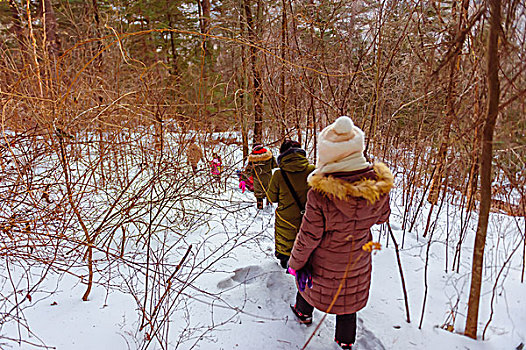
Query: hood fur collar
366	188
260	157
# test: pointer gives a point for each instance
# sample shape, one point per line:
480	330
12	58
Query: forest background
438	87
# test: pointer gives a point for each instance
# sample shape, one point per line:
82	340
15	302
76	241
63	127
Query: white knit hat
339	140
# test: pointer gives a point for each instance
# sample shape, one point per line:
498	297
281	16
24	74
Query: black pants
345	324
259	202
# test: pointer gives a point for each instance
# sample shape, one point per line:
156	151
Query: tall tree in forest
51	28
18	30
96	17
282	91
258	91
450	114
485	166
242	84
204	24
173	51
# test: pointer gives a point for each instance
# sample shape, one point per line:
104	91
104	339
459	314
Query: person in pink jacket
329	258
216	167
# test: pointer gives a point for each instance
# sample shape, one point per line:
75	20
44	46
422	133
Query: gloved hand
242	186
303	277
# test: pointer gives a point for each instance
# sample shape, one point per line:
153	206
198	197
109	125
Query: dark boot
302	318
302	310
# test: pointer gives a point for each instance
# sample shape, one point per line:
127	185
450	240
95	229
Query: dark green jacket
260	168
288	215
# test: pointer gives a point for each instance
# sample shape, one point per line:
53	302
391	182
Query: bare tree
485	166
256	74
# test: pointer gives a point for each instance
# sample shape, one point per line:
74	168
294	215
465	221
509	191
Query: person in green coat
293	163
260	165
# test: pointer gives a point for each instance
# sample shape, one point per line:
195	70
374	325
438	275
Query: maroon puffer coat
340	210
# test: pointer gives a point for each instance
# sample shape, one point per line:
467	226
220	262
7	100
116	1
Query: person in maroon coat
348	196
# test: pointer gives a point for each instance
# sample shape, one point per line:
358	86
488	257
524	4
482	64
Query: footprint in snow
246	275
366	340
278	282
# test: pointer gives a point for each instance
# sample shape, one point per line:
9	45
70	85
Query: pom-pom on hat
340	140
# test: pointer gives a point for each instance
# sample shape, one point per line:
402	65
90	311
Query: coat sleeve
310	235
385	211
273	188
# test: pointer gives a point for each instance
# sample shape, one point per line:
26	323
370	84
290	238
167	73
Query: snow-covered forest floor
230	292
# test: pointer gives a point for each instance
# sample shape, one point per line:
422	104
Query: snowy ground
236	296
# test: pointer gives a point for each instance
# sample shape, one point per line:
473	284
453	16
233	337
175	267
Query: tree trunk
485	167
258	91
96	13
242	96
159	129
99	47
450	111
204	23
19	31
283	93
473	171
376	94
175	68
50	22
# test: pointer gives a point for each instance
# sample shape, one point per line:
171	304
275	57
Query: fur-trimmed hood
370	189
260	157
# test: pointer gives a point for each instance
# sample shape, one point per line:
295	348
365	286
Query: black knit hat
288	144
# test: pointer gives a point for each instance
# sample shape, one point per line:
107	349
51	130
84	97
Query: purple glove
303	277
